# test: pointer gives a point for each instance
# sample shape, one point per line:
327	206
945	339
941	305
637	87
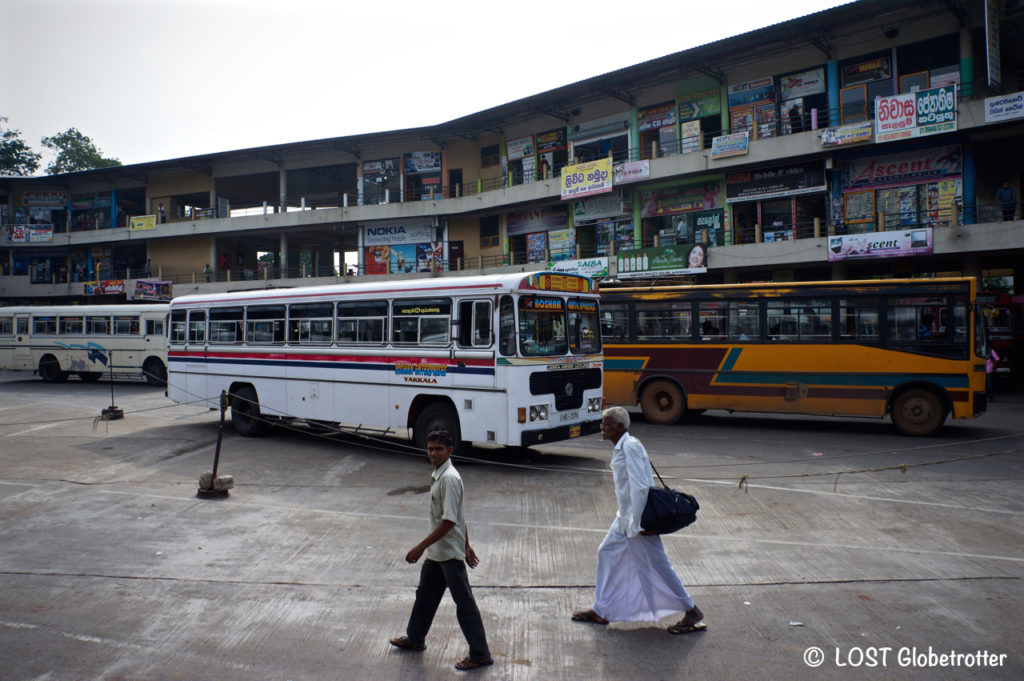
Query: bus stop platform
113	568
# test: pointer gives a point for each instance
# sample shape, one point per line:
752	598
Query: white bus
91	341
504	359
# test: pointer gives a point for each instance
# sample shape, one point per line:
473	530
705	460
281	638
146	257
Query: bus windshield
542	326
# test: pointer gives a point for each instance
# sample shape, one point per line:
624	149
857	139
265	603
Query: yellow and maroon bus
912	349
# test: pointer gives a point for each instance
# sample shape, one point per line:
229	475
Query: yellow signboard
140	222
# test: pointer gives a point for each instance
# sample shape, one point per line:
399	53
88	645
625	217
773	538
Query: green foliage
16	157
75	152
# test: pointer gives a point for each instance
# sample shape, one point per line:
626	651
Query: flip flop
588	616
404	643
688	629
468	663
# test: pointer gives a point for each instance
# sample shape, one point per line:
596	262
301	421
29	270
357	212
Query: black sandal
404	643
468	663
588	616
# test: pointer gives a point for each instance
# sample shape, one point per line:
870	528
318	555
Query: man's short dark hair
442	436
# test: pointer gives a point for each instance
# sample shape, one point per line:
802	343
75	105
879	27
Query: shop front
908	189
552	153
657	127
43	208
422	175
382	181
399	247
700	118
600	220
601	138
92	211
752	107
784	200
521	160
804	101
685	213
536	232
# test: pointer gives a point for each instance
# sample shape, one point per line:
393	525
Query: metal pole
220	431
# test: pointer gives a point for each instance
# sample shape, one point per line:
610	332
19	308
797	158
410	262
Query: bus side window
154	327
226	325
614	328
310	323
196	326
179	326
6	326
507	326
714	321
362	323
475	323
44	326
264	324
422	321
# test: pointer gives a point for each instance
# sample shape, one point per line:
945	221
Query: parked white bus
503	359
88	340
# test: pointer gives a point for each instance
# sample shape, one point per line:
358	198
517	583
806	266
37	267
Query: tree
75	152
16	157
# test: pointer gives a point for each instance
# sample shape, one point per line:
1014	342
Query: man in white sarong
635	581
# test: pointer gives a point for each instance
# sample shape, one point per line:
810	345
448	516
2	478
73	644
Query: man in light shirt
448	553
635	580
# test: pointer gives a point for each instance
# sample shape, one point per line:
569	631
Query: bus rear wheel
918	412
663	402
245	413
437	416
49	370
155	372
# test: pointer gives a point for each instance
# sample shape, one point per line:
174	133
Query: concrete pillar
832	79
966	62
324	260
972	265
970	185
282	182
283	253
213	254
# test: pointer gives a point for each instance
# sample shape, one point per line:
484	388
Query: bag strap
656	472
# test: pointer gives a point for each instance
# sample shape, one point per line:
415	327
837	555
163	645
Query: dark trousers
1008	211
435	577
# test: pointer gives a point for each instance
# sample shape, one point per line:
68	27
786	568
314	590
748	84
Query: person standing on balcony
1007	200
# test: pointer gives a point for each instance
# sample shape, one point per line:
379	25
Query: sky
152	80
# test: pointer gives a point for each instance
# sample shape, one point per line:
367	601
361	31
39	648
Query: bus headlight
594	404
538	412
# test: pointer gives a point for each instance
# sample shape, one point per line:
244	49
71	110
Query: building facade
873	139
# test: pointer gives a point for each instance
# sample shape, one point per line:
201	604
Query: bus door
22	343
473	349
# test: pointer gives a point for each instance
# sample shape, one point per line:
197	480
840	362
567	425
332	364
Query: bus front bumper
560	433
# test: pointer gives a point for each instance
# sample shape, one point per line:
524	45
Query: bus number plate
569	416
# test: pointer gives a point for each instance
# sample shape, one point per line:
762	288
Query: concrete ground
112	568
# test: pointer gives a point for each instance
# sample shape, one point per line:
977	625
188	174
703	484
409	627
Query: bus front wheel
918	412
436	416
245	413
663	402
49	370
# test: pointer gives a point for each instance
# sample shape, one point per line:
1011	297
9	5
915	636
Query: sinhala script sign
915	114
585	179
